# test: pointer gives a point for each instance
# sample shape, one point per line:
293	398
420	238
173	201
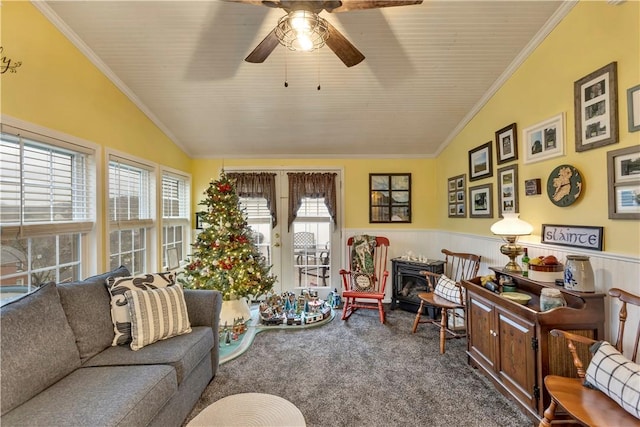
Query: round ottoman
249	409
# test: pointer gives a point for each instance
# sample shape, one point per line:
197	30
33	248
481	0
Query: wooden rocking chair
589	406
355	297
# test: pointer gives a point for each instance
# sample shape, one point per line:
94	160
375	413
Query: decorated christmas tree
225	257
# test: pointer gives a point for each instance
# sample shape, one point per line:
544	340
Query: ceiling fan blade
343	47
264	49
348	5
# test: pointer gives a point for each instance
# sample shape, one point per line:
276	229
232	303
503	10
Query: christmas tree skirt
229	351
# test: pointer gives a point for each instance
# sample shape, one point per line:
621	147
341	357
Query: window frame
183	220
148	224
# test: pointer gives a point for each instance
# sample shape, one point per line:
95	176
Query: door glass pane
259	220
312	245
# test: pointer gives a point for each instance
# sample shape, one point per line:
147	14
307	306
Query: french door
305	255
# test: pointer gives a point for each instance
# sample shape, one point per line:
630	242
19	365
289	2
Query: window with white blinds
47	208
175	214
256	209
43	184
131	213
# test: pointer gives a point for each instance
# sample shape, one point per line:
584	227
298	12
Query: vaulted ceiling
428	69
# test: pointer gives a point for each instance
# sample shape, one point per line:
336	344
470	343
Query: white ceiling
428	69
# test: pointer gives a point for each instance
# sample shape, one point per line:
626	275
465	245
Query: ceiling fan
303	29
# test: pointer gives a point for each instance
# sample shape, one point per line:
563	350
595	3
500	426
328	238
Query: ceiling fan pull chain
286	83
318	66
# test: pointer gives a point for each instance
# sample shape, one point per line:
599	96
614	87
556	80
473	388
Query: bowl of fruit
545	269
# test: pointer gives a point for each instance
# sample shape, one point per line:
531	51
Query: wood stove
408	282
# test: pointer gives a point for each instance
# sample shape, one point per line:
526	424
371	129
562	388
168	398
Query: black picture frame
575	236
633	108
507	144
456	196
623	176
508	190
481	201
596	108
389	198
200	220
481	162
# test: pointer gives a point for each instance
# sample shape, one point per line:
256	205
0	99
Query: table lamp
510	228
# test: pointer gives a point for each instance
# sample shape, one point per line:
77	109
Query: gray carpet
363	373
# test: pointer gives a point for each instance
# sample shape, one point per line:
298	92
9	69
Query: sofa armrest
204	307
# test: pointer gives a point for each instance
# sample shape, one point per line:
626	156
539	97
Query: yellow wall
594	34
58	88
355	181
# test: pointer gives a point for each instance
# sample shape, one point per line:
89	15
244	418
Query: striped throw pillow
157	314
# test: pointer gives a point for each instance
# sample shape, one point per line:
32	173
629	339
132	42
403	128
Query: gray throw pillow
87	306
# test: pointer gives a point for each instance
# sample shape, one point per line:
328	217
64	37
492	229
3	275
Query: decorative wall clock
564	185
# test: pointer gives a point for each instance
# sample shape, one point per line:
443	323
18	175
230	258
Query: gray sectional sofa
59	368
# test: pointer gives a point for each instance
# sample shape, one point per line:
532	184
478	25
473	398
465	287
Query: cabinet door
515	364
480	335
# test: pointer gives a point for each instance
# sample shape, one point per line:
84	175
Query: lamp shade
511	225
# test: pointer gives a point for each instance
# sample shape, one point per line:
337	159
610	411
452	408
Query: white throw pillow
156	315
616	376
119	309
447	289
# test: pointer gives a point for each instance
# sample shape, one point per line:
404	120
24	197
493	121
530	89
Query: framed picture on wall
596	108
480	162
507	144
633	108
481	201
389	197
456	196
623	173
544	140
508	189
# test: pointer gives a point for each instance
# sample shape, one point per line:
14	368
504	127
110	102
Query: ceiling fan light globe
304	43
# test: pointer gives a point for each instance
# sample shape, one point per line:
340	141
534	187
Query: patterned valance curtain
257	184
315	185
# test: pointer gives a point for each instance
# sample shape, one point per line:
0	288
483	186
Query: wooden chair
354	298
588	406
458	266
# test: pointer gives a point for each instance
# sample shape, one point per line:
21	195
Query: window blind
45	188
175	196
130	194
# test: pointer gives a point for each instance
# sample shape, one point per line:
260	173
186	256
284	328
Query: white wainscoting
610	270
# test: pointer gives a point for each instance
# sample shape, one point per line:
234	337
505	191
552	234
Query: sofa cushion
183	352
87	306
157	314
107	396
614	375
119	308
37	348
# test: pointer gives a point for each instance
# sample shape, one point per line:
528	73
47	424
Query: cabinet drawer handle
493	333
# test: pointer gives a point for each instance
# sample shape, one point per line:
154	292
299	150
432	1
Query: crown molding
53	17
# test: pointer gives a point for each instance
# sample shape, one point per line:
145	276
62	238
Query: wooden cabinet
510	343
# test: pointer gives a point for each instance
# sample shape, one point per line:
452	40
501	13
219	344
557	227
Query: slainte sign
575	236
